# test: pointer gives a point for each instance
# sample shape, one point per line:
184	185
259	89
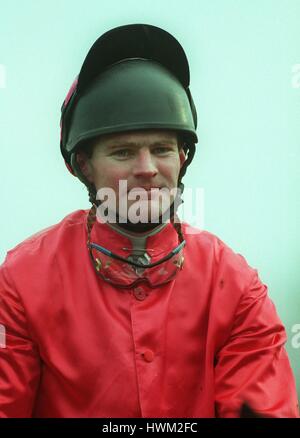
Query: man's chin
149	211
144	212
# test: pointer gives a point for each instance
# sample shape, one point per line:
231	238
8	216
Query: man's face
145	159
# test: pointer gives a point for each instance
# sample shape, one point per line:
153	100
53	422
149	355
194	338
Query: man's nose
145	165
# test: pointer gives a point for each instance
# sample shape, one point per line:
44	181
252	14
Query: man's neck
141	227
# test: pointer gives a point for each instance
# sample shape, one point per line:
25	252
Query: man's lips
151	193
145	188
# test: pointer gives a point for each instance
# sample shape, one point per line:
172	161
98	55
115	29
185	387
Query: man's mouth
150	193
144	188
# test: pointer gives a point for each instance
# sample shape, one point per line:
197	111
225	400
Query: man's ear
182	157
84	165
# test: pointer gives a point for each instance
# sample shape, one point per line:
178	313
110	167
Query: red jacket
198	346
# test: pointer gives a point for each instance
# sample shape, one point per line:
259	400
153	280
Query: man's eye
123	153
162	150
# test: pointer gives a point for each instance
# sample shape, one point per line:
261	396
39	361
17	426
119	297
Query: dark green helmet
134	77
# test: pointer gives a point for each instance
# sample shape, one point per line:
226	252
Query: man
112	314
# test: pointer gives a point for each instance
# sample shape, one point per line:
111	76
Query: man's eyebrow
119	143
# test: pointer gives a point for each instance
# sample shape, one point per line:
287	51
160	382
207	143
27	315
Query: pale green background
241	56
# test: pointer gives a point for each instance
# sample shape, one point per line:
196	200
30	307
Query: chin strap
92	217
